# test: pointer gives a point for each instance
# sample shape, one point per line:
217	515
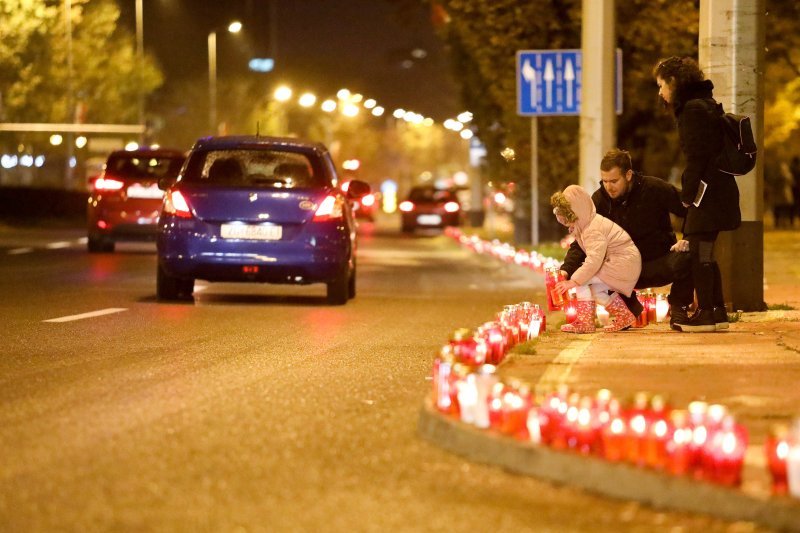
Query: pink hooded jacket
610	252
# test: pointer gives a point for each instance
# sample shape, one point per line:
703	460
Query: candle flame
660	429
638	424
782	450
617	426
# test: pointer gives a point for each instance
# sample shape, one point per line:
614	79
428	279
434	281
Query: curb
617	480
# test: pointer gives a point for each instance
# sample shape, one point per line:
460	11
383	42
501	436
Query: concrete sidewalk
753	369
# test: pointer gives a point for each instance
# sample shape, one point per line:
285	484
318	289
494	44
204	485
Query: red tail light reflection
176	204
406	206
108	184
451	207
329	209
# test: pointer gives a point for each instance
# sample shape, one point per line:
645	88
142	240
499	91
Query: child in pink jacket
612	263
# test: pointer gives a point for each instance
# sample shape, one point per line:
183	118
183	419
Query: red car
125	201
429	207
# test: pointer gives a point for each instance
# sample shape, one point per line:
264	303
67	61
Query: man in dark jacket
641	205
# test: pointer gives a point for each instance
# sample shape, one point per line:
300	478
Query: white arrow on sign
549	76
529	73
569	77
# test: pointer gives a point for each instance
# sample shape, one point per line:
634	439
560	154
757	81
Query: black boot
721	319
678	314
702	320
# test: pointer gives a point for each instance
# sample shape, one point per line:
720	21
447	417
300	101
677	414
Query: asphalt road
257	407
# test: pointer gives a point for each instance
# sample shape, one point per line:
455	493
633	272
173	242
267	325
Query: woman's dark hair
678	72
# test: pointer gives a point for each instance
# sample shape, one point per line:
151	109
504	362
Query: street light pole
140	55
233	27
212	81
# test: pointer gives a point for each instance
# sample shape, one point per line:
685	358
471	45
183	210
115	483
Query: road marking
558	370
59	244
91	314
18	251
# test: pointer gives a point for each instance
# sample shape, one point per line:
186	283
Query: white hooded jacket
610	253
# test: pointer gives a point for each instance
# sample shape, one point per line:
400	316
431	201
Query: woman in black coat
711	195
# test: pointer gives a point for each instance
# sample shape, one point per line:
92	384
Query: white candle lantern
485	380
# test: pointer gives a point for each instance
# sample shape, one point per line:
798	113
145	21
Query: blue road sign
549	82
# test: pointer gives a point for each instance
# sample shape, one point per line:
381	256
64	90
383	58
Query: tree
36	81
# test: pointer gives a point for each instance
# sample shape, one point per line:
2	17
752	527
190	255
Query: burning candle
650	305
496	406
776	448
571	306
638	425
534	426
467	390
602	315
442	367
728	447
586	436
555	300
613	433
485	380
658	434
516	403
793	460
697	421
662	308
467	348
679	444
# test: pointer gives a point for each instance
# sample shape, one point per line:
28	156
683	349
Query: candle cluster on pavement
703	440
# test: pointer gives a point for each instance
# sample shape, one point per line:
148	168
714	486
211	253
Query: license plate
251	232
140	191
429	220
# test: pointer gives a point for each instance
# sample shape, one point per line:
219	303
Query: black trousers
675	268
705	270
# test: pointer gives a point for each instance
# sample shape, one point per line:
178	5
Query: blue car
257	209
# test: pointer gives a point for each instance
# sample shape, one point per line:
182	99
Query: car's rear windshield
427	194
255	168
137	166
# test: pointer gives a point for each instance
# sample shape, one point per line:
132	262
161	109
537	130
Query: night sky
321	45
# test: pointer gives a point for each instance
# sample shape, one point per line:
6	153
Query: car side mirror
165	183
358	189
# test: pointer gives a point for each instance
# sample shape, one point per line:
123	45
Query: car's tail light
451	207
108	184
329	209
368	200
406	206
176	204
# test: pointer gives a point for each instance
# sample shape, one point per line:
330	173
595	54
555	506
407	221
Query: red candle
555	300
613	433
728	447
697	422
516	404
638	425
442	367
658	434
777	450
679	453
586	434
496	406
467	348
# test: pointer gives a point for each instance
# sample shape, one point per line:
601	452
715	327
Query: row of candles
703	441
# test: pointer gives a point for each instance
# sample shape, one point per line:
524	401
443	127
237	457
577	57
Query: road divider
91	314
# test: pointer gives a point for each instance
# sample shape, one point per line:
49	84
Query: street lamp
233	27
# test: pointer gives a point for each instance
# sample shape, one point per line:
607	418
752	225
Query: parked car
429	207
124	200
258	209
